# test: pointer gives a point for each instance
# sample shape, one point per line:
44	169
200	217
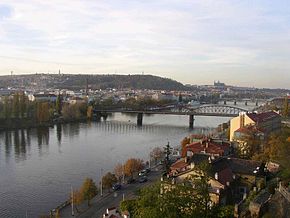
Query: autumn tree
88	190
90	112
108	180
42	112
119	171
156	154
132	166
184	142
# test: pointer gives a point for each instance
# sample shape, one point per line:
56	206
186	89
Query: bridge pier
139	119
191	121
225	102
235	102
246	103
257	103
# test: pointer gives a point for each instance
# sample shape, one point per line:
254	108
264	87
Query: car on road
116	187
131	180
143	179
147	170
142	173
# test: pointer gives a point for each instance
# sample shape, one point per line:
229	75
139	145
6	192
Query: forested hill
79	81
124	81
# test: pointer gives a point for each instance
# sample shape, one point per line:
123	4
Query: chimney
185	159
206	144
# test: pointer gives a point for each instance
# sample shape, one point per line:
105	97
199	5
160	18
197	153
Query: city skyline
196	42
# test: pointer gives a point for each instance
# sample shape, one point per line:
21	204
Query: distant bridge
202	110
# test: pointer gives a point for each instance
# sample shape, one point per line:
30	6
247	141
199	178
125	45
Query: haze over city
242	43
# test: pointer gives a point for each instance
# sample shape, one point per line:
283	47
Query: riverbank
26	123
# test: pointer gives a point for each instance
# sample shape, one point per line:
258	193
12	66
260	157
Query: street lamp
72	201
101	181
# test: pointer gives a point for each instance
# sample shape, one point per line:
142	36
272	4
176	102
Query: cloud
173	38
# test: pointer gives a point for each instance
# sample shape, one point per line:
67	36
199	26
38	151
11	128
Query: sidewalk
82	208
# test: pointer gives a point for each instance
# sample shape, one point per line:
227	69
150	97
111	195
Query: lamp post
102	182
72	201
123	174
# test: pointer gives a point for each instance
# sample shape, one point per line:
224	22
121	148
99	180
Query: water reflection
59	133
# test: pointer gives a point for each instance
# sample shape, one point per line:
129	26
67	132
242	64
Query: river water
38	166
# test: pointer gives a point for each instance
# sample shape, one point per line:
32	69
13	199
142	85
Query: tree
7	108
156	154
108	180
184	142
22	104
88	190
132	166
90	112
167	151
58	104
119	171
42	112
285	112
15	105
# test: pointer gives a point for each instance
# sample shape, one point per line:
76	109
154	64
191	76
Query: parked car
131	180
143	179
148	170
142	173
116	187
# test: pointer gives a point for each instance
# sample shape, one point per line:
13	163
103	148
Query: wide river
38	166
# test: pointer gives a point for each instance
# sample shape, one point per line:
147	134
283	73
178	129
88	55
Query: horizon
244	44
141	74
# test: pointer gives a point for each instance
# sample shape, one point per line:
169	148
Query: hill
78	81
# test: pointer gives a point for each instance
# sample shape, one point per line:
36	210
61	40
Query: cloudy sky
243	43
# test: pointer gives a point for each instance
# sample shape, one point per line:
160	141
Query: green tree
58	104
16	105
88	190
22	104
108	180
7	108
167	152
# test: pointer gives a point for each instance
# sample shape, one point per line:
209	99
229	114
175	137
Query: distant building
219	84
42	97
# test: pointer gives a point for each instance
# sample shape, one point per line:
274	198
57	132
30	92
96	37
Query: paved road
100	204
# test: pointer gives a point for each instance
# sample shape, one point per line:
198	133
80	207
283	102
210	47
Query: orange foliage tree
184	142
132	166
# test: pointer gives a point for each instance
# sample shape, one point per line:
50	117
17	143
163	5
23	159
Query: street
100	204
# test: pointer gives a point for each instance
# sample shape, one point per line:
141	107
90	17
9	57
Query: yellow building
267	122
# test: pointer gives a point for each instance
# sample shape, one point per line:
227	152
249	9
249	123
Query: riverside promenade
99	204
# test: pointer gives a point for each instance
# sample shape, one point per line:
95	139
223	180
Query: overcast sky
243	43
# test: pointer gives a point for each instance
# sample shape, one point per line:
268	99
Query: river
38	166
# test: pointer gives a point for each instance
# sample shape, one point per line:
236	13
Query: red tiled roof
179	164
248	129
261	117
208	147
